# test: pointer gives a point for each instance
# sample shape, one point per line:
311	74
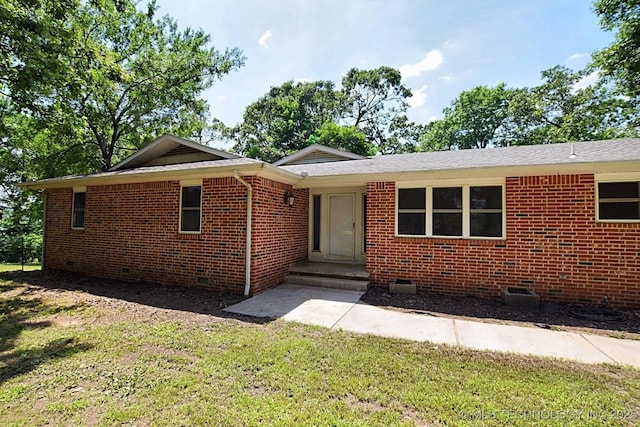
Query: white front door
342	226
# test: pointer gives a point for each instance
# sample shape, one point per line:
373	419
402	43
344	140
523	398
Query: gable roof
594	156
173	172
170	149
609	156
317	153
170	158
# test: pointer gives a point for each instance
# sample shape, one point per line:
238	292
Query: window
412	211
454	211
619	201
190	208
316	221
485	211
77	220
447	211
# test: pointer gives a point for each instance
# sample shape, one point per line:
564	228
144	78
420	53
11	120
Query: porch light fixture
288	198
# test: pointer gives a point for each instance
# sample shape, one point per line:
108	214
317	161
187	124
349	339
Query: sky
441	47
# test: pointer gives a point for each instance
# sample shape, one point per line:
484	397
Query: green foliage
282	121
474	120
23	156
36	38
144	78
404	135
347	138
16	248
621	60
122	77
558	110
292	116
374	99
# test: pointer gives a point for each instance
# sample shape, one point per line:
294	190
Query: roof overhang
360	179
135	176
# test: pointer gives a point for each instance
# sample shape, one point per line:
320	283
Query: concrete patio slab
539	342
626	352
368	319
318	306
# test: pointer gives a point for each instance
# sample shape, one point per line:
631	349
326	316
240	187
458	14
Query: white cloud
447	77
431	61
222	98
262	41
586	81
576	56
419	97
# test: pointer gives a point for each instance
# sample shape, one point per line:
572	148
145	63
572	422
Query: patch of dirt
549	316
124	300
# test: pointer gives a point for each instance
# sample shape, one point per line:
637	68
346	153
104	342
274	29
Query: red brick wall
553	246
131	233
280	232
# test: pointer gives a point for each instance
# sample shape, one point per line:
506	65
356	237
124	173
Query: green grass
64	362
18	267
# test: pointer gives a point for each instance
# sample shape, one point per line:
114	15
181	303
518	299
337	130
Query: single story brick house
560	219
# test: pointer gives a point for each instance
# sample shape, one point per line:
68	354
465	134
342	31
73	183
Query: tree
36	40
404	135
20	160
347	138
621	60
292	116
557	110
127	79
560	110
374	98
476	119
282	121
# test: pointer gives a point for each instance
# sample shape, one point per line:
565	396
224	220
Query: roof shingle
528	155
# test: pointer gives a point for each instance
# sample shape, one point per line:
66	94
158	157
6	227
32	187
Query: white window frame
425	211
73	207
466	208
430	211
183	184
611	178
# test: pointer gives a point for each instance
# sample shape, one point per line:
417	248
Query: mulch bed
549	316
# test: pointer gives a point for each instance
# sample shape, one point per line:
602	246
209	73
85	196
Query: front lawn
17	267
70	357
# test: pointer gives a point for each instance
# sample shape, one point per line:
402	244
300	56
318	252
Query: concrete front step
327	282
329	269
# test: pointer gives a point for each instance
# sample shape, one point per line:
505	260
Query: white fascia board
172	175
469	173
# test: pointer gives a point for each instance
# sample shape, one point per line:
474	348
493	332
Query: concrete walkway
340	309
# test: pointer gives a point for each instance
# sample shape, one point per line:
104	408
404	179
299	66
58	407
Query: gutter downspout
247	273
